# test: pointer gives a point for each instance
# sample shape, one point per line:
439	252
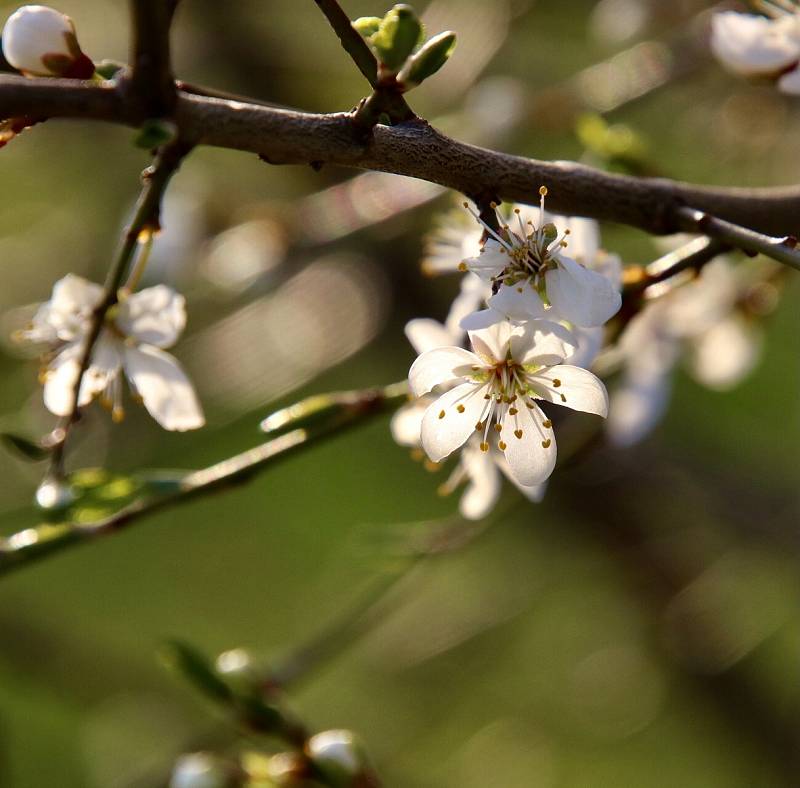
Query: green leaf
25	448
397	36
154	133
430	58
108	69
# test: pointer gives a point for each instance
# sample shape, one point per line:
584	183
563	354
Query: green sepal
367	25
108	69
195	667
154	133
433	54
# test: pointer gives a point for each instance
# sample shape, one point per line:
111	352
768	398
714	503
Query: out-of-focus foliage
639	627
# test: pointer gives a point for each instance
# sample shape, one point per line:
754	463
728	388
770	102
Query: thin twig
784	250
351	39
145	222
31	544
693	255
418	150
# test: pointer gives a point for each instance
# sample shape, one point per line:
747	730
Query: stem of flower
145	220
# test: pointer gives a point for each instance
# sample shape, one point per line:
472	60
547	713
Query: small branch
351	39
152	82
31	544
784	250
694	255
145	221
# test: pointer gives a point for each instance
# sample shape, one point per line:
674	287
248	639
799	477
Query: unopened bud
53	494
432	55
41	42
339	755
198	770
396	37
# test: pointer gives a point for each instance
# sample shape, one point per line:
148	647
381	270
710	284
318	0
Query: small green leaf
367	25
155	132
397	36
108	69
29	450
194	666
433	54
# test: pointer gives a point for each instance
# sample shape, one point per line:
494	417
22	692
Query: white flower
338	754
40	41
527	266
702	319
455	238
197	770
495	388
755	45
132	340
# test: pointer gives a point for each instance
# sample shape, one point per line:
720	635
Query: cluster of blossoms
540	328
761	46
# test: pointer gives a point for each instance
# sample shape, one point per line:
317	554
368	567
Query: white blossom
197	770
532	275
40	41
132	341
702	321
493	391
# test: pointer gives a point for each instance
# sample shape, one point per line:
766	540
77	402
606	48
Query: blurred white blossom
131	341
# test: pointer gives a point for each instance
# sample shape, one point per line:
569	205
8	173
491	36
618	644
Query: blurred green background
640	627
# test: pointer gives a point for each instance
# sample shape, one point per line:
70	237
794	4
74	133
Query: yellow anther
516	211
498	427
563	398
529	405
460	408
513	411
556	382
430	466
543	191
465	204
502	445
547	424
518	433
441	414
546	444
479	426
462	266
484	446
493	204
117	415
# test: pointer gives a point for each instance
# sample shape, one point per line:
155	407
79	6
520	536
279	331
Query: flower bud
41	42
53	494
432	55
397	35
198	770
338	755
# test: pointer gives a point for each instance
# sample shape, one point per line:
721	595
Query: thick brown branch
418	150
152	82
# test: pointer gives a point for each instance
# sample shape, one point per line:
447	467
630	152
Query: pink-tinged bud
41	42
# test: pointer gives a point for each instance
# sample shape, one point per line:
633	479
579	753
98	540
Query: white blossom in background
531	273
702	322
41	42
761	46
492	392
454	238
197	770
131	342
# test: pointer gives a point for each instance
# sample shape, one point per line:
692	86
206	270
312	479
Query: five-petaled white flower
761	46
495	389
41	42
528	268
132	340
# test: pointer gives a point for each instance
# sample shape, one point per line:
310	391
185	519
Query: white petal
542	343
438	366
754	45
577	388
583	240
154	316
477	321
104	365
406	424
442	435
517	302
533	493
529	460
490	262
492	343
579	295
474	291
590	341
164	388
725	354
790	82
60	380
484	485
75	294
636	408
425	334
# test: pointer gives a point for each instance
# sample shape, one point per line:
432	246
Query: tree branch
152	82
343	409
416	149
351	39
